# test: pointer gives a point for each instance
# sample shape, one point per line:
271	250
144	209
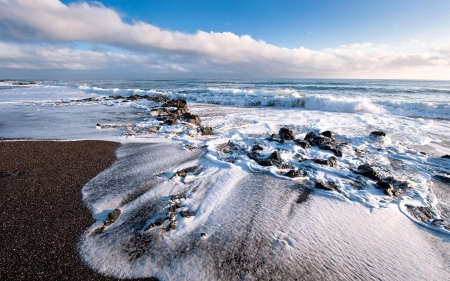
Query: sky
401	39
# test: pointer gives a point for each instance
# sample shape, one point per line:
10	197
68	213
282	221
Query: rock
294	174
181	110
170	120
424	214
369	172
154	129
178	103
302	143
159	111
323	186
386	187
323	142
265	162
378	134
286	134
172	225
207	131
203	234
442	179
186	214
275	156
257	147
446	156
192	118
327	134
337	152
134	97
185	172
332	161
112	217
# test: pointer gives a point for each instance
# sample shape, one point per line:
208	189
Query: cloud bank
47	34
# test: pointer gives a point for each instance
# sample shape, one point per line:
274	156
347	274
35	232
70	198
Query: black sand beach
42	214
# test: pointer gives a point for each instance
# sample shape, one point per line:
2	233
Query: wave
414	102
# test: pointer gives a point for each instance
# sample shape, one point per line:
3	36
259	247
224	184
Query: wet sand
42	214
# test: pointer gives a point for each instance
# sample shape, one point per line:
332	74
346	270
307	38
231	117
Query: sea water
233	198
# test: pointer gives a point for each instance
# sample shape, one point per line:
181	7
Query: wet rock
178	103
369	172
134	97
172	225
192	118
275	156
154	129
286	134
272	137
324	185
386	187
159	111
442	179
170	120
323	142
302	143
332	161
446	156
337	152
327	134
378	134
424	214
185	172
207	131
257	147
186	214
112	217
203	234
294	174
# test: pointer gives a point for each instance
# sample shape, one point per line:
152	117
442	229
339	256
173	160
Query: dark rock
257	147
378	134
265	162
203	234
170	120
442	179
272	137
424	214
286	134
332	161
185	172
186	214
178	103
159	111
446	156
323	142
275	156
337	152
207	131
192	118
424	153
134	97
323	185
369	172
112	217
294	174
172	225
327	134
386	187
154	129
181	110
302	143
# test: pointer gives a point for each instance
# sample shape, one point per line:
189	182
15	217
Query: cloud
26	25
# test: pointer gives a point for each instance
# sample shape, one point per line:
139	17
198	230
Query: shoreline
42	213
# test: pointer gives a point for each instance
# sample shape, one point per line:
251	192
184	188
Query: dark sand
42	215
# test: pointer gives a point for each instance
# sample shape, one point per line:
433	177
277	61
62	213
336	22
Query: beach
216	180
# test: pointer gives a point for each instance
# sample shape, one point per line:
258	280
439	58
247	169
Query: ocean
300	178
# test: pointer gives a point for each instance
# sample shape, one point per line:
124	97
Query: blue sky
226	39
309	23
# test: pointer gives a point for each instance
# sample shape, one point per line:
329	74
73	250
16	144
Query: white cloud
151	48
